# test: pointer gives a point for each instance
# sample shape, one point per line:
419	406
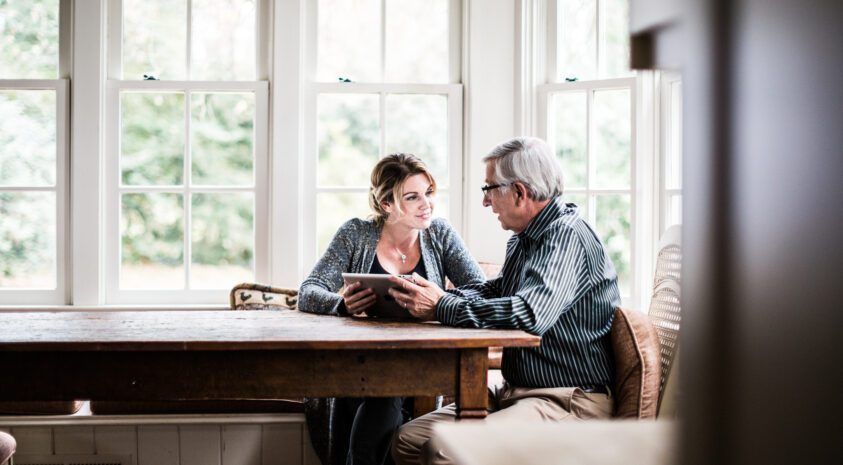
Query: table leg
472	397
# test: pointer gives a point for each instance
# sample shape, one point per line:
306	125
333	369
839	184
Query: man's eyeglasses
490	187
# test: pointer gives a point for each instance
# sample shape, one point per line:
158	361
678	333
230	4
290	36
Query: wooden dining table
195	355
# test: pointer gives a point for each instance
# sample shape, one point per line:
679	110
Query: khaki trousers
415	444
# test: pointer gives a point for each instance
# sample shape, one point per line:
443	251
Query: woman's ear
386	206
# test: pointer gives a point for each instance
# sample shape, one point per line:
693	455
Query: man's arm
554	277
485	290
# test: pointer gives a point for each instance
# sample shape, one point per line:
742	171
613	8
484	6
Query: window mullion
598	5
186	198
65	39
189	41
589	150
85	136
383	43
455	30
382	123
551	18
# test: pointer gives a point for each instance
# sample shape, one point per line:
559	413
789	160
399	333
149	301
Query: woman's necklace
402	255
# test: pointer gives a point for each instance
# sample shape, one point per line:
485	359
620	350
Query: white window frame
113	190
453	91
57	295
60	294
545	93
667	118
539	77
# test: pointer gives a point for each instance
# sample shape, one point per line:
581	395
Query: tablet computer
385	305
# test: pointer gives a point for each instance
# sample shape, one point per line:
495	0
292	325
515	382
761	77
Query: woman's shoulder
356	227
441	226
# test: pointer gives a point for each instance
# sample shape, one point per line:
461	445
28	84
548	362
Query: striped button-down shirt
557	282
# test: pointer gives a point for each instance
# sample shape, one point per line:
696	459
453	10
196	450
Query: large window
186	159
587	113
33	152
385	79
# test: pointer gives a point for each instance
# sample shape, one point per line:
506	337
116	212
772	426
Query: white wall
489	76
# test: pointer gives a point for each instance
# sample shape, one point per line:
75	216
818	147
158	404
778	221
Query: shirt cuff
447	309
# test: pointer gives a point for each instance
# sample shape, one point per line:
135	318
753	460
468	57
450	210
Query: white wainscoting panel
158	445
167	439
34	440
309	456
241	445
200	444
74	440
281	444
117	440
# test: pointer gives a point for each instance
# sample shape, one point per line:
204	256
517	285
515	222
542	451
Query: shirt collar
552	211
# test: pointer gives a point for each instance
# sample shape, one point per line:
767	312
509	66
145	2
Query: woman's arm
318	293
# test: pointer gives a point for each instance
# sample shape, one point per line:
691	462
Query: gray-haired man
557	282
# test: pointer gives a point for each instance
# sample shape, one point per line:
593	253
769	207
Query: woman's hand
357	300
418	297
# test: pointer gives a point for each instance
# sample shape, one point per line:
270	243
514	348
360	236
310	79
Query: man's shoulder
566	223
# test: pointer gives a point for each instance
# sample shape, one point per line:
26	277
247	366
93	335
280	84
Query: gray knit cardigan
353	250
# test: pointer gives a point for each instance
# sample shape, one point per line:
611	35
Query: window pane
28	240
152	138
154	39
613	227
222	132
580	200
614	40
29	39
152	241
612	139
674	210
223	40
576	39
28	138
222	235
417	41
442	205
349	40
673	168
418	124
568	134
349	139
332	210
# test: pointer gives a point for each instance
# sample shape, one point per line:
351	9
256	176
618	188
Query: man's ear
520	192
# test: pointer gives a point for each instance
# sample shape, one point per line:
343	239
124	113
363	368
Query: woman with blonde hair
401	237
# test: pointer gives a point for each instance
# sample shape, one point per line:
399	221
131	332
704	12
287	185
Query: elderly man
557	282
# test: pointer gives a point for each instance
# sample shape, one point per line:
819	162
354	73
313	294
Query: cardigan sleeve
318	293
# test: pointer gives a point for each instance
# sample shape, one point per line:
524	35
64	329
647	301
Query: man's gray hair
530	161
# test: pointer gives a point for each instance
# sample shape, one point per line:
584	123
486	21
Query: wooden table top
234	330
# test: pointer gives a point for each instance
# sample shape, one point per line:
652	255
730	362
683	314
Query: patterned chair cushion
252	296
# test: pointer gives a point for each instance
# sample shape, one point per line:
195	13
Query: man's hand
418	297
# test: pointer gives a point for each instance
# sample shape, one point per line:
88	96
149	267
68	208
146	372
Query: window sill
106	308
